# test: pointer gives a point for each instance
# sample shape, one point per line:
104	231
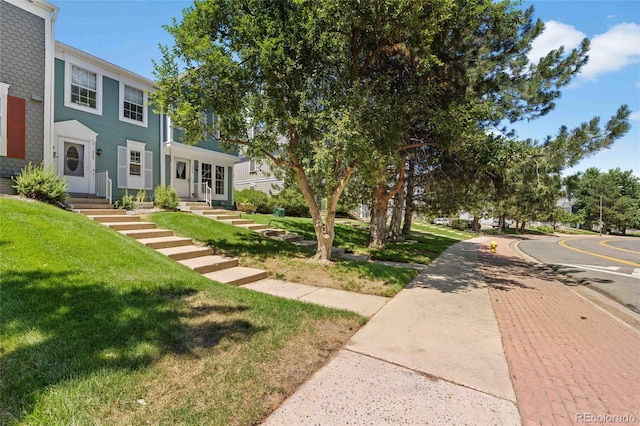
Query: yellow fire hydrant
493	246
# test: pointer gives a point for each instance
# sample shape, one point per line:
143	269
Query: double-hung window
83	88
135	166
133	107
135	163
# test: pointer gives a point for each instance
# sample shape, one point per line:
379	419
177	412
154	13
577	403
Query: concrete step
254	226
217	216
186	252
289	238
237	221
237	276
116	218
138	234
270	232
166	242
87	200
89	206
192	203
99	212
129	226
200	207
206	264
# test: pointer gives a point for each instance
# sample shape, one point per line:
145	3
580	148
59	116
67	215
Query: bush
40	184
126	202
459	224
292	201
255	197
166	197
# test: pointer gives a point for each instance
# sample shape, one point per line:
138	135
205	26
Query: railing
205	190
104	186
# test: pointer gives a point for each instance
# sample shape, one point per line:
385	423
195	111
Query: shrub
255	197
141	196
126	202
166	197
292	201
459	224
41	184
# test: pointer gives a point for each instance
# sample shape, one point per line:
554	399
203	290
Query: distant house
201	172
565	204
26	81
257	174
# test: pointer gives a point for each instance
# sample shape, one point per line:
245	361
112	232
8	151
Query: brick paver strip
569	362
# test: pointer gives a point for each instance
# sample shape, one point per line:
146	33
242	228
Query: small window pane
135	163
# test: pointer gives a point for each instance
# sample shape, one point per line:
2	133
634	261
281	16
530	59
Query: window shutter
148	170
16	127
123	170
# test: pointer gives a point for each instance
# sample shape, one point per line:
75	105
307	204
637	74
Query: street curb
581	288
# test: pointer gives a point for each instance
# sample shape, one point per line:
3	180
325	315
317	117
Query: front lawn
95	328
284	260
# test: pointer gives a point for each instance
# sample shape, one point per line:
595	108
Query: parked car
496	223
441	221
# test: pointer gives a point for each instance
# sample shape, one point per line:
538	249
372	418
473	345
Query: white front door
76	164
182	177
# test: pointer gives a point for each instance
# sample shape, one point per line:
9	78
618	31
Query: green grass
93	322
287	261
428	241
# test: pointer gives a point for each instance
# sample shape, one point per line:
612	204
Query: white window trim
4	92
214	179
135	181
67	87
145	109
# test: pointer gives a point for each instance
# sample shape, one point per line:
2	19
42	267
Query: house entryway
76	165
74	154
182	177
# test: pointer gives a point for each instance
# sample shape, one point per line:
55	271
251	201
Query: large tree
483	77
305	76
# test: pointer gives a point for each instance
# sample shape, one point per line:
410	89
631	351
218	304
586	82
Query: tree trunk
522	225
517	225
476	223
325	232
396	216
408	204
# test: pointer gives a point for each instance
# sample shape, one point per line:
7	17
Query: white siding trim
4	92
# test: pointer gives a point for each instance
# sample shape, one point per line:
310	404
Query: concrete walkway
431	355
478	338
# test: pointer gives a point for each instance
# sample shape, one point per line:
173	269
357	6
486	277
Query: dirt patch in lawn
306	271
226	369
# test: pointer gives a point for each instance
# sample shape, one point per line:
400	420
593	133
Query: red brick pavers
570	362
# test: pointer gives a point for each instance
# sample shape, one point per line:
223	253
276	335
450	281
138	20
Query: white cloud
613	50
555	35
609	52
635	116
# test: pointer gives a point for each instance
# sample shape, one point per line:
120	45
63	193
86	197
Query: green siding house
108	141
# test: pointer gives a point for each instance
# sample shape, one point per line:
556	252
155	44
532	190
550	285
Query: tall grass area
96	329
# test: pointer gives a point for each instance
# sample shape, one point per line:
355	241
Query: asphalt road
610	264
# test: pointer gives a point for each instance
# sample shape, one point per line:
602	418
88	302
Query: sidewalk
478	338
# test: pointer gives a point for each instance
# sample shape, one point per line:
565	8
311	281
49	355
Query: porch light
99	152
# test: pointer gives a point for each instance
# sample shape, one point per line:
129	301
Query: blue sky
127	33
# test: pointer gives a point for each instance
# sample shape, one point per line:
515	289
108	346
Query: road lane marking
589	268
610	268
613	259
603	243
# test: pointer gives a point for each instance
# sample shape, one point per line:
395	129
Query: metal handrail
205	190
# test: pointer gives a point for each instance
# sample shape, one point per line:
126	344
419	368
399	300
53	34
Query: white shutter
148	170
123	166
216	126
